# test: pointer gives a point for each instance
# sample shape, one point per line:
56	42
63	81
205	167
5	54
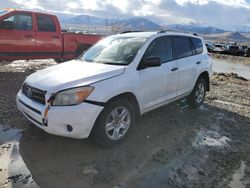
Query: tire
81	48
110	129
59	60
196	98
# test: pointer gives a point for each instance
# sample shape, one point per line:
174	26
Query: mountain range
141	23
196	29
134	23
236	36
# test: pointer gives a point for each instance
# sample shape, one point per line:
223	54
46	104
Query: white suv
117	79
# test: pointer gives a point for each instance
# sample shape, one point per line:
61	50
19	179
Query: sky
218	13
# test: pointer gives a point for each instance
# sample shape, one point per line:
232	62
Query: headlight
72	96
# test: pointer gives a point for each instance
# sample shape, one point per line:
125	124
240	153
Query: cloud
230	3
220	13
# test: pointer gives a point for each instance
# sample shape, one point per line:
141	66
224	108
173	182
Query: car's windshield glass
114	50
2	12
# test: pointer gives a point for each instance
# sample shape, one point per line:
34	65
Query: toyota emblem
29	92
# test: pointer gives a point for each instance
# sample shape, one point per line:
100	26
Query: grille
34	93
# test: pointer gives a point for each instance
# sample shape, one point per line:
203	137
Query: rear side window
45	23
17	22
197	45
182	47
160	47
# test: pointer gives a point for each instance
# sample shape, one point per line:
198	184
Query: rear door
48	36
158	84
186	62
17	38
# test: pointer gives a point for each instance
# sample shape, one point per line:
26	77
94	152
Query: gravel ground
174	146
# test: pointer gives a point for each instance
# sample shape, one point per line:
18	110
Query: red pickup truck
33	35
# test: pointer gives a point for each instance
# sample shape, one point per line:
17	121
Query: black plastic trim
33	109
96	103
33	119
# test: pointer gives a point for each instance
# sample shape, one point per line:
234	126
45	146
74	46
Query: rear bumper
80	117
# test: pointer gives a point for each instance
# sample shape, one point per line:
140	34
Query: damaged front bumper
56	119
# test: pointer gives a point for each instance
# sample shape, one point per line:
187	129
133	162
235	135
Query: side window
160	47
197	45
18	22
182	47
45	23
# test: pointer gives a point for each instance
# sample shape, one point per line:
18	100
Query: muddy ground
174	146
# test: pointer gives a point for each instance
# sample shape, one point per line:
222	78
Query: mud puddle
13	172
239	179
227	66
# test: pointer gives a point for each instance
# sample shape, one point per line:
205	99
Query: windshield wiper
115	63
110	63
87	60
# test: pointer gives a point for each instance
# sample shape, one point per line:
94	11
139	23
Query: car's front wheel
114	122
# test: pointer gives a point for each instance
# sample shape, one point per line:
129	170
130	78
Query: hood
72	74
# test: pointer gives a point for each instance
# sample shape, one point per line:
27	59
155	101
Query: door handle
28	36
55	37
174	69
198	62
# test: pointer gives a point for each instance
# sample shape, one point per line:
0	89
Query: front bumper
80	117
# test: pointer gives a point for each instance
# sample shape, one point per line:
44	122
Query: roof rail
177	31
164	31
129	31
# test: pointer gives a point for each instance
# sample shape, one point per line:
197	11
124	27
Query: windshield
114	50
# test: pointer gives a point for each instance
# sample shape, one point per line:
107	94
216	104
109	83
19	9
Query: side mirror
149	62
6	25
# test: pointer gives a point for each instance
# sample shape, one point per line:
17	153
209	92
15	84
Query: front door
158	84
17	38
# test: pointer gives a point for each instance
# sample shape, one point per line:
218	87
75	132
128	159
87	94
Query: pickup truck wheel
81	48
196	98
114	122
59	60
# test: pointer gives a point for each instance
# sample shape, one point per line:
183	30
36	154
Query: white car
219	48
115	81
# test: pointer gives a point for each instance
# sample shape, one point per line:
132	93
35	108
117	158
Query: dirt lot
174	146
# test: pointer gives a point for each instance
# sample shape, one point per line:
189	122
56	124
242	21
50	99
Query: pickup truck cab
116	80
34	35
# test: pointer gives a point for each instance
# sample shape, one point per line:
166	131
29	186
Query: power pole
106	20
88	23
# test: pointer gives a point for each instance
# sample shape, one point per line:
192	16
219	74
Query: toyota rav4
121	77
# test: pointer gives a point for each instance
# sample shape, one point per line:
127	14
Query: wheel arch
81	47
131	97
205	76
126	95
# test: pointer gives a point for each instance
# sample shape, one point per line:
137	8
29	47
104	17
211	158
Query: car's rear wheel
196	98
114	122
